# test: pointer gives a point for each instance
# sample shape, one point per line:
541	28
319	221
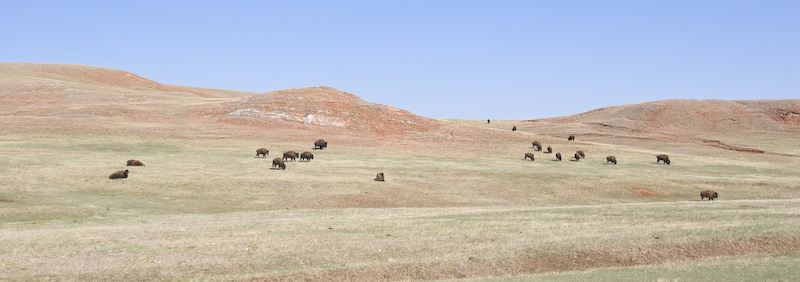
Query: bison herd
280	163
580	154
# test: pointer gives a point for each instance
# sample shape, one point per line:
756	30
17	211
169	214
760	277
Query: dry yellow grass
459	200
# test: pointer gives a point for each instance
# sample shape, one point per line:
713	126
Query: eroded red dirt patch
622	256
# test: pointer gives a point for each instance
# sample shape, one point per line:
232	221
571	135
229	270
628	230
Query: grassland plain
460	202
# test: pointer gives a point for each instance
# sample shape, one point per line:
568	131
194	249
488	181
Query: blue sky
444	59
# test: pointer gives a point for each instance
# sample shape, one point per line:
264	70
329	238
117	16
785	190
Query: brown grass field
459	202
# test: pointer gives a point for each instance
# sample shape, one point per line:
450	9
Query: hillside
324	107
459	201
747	126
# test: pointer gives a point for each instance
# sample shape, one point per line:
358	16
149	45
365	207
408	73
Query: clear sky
444	59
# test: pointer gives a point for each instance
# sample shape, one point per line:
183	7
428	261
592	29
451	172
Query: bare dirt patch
652	254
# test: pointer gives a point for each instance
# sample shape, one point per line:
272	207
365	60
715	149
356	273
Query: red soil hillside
323	107
689	117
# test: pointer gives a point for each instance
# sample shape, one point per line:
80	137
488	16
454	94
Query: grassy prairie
207	209
459	202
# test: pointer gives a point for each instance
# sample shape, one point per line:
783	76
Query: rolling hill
459	201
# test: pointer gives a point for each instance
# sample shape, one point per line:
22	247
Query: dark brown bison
549	149
528	155
278	162
577	157
663	158
558	156
134	163
290	155
711	195
514	128
320	144
119	174
580	152
379	177
488	121
571	138
308	156
263	152
537	145
611	159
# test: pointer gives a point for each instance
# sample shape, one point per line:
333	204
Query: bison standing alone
514	128
571	138
558	156
278	162
320	144
379	177
290	155
119	174
308	156
611	159
549	149
134	163
711	195
262	152
528	155
663	158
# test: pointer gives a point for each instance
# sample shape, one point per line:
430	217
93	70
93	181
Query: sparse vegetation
458	205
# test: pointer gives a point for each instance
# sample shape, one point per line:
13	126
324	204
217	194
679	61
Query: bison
611	159
134	163
262	152
290	155
308	156
663	158
119	174
577	157
528	155
558	156
320	144
379	177
278	162
580	152
549	149
514	128
571	138
711	195
537	145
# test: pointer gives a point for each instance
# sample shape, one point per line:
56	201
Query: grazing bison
580	152
278	162
549	149
119	174
308	156
558	156
663	158
711	195
528	155
262	152
611	159
134	163
320	144
514	128
290	155
537	145
571	138
577	157
379	177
